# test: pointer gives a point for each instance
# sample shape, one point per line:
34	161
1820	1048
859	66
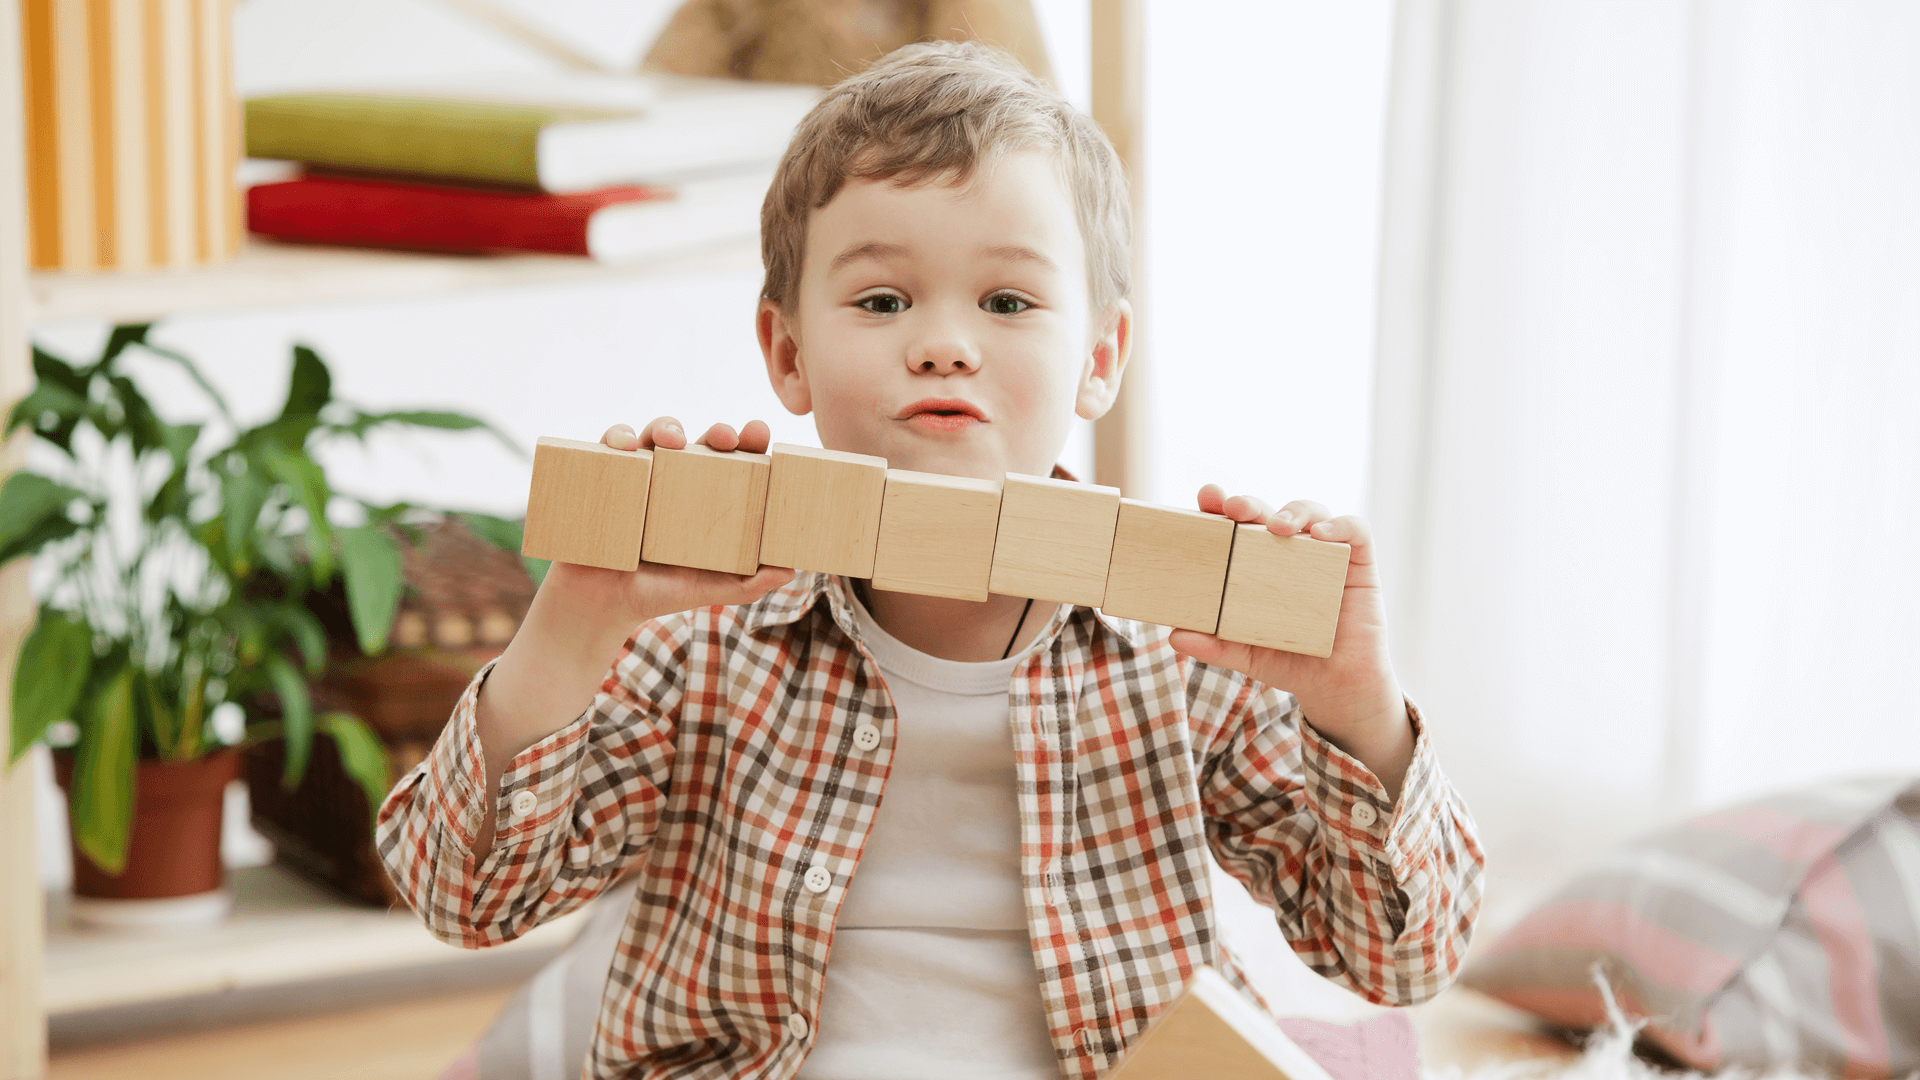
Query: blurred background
1603	311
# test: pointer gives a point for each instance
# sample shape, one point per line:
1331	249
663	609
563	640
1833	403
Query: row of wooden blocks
936	535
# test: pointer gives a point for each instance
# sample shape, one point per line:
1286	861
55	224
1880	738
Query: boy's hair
942	110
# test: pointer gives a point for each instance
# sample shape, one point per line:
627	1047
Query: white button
523	803
797	1025
866	737
1363	814
818	879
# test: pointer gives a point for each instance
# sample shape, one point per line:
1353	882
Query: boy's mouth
942	414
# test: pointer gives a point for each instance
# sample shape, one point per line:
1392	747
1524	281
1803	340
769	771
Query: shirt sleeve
1377	895
574	812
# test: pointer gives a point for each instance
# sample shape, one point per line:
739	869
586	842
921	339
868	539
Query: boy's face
947	328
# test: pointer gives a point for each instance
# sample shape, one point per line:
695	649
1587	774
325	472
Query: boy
886	835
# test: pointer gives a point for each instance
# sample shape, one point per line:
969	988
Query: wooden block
1283	592
587	504
1055	540
707	506
1213	1031
936	535
1169	566
823	510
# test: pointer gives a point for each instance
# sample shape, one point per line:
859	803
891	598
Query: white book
703	213
693	127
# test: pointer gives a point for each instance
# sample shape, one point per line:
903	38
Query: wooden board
1283	592
23	1029
936	535
706	509
823	510
1055	540
1169	566
587	504
1214	1032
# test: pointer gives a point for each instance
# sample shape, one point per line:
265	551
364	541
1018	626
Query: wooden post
1119	438
23	1029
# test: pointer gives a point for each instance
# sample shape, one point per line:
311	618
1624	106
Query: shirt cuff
536	789
1354	805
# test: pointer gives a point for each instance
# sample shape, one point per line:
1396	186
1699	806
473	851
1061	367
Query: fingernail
675	428
1284	518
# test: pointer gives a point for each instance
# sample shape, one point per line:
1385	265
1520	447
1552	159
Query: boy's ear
780	347
1106	363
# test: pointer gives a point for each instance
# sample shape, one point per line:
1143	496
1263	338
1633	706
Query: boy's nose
943	356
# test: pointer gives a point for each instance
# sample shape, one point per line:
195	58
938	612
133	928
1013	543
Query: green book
655	130
485	141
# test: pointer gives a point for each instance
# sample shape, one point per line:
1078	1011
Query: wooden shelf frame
268	275
23	1032
282	931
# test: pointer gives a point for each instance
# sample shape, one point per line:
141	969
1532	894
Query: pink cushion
1701	928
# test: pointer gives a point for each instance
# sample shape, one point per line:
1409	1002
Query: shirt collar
789	602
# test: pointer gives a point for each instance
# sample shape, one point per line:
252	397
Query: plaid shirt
719	762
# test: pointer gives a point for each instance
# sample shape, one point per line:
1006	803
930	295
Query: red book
433	217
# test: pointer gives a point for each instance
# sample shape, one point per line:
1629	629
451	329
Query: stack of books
616	168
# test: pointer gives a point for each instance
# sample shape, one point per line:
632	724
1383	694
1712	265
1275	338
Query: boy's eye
884	304
1006	304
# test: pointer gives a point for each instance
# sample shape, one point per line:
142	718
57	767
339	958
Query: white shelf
266	274
283	932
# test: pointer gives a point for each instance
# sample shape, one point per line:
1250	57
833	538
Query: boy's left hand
1351	697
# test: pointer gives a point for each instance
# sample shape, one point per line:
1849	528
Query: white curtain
1646	452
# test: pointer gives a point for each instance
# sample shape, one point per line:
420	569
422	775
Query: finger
1350	529
621	437
763	581
1246	508
663	431
1211	496
755	437
1211	650
1296	517
721	437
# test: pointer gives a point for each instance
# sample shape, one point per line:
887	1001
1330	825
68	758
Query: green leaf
193	372
307	633
172	499
33	513
427	418
179	439
536	569
168	737
242	495
310	387
67	408
138	420
53	670
440	420
506	535
304	477
296	713
100	806
361	754
53	371
371	562
122	336
498	531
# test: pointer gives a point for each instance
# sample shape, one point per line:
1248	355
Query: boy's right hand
633	597
581	616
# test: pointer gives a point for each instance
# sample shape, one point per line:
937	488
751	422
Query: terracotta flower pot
173	853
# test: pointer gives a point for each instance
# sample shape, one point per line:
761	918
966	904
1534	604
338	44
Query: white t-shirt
931	975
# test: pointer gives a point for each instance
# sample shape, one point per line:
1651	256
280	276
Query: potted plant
174	561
